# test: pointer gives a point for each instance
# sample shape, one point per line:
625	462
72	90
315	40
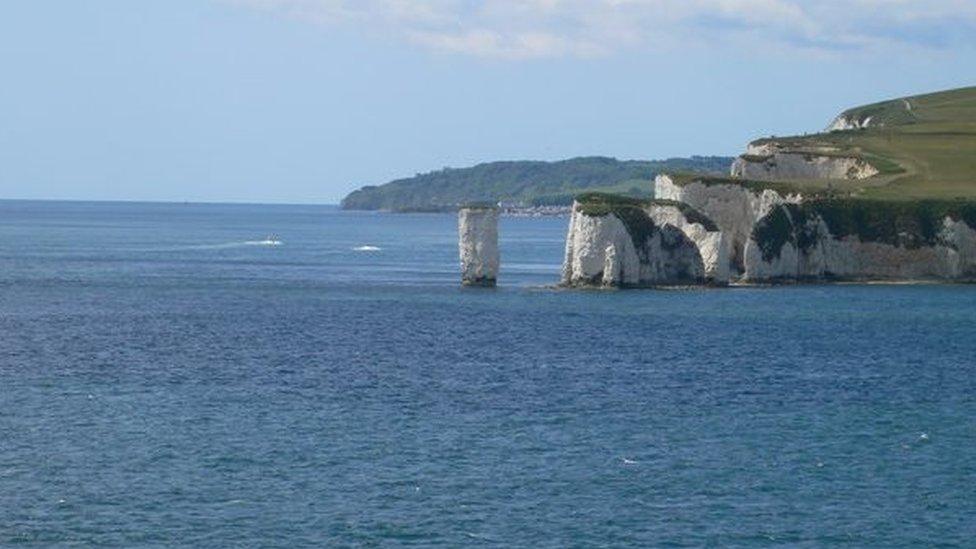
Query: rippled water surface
168	377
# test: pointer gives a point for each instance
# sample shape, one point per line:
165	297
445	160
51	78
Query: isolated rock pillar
478	245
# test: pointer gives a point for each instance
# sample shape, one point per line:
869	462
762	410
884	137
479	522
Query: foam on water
265	242
215	246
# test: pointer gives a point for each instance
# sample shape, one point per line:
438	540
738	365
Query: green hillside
924	146
527	183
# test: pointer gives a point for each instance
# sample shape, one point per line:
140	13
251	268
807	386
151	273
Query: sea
170	376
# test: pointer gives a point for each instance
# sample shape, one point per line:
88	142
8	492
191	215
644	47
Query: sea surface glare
169	377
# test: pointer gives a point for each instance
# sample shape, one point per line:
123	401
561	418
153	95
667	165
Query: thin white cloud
527	29
517	45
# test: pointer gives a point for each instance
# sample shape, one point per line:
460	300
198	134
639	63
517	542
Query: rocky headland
815	208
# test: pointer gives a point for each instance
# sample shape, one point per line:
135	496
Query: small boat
272	240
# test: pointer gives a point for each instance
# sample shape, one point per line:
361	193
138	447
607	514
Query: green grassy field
924	147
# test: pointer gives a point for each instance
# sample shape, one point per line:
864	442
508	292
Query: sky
302	101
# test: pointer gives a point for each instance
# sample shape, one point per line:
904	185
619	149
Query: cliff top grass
782	187
803	149
633	213
601	203
630	211
924	146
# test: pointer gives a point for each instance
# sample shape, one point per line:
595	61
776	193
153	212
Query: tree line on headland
525	183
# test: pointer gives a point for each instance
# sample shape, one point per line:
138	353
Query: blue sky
305	100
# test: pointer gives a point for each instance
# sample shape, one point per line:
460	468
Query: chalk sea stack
478	245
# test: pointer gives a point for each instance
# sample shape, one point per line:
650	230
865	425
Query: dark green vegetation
479	205
906	223
755	157
924	146
629	210
597	203
910	224
525	183
773	231
633	213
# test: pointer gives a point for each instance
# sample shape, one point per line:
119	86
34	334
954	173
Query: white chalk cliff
713	246
735	209
478	245
847	121
790	246
773	161
602	251
785	166
717	230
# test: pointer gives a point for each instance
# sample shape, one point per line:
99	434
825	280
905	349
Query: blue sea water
167	379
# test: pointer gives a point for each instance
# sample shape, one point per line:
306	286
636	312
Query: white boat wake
367	249
270	241
265	242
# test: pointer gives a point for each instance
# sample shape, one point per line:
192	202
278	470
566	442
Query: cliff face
850	240
621	246
847	121
713	246
785	166
734	208
478	245
771	161
708	230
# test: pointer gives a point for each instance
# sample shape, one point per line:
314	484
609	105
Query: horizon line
175	202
